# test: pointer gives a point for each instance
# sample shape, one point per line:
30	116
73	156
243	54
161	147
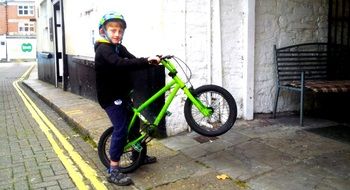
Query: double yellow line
49	129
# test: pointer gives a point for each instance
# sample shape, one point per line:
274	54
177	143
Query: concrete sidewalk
260	154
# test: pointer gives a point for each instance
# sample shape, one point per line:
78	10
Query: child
114	65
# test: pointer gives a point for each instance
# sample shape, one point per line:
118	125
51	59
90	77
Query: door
338	39
339	20
61	70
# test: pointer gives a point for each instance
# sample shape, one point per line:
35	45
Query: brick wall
14	19
283	22
197	53
280	22
193	19
12	28
13	13
232	16
3	22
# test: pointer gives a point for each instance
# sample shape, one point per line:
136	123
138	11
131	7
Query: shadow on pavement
339	132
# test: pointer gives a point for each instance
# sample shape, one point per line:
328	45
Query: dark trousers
120	115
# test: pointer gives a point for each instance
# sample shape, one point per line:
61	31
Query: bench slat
309	64
302	56
302	61
325	85
298	73
296	64
300	52
284	79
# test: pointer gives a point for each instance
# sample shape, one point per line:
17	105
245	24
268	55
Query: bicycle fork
206	111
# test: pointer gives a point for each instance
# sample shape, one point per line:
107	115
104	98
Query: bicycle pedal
137	147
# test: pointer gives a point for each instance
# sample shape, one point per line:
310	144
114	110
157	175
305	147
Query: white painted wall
205	34
284	23
144	34
177	27
45	11
232	18
214	37
21	48
3	50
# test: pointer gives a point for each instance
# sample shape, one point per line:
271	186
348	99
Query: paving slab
234	137
166	170
299	176
179	142
304	144
197	182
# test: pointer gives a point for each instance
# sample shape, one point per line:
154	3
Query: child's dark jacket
114	66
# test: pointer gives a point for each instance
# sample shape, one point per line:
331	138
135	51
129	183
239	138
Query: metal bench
311	67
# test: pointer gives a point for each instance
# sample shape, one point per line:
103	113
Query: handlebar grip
166	57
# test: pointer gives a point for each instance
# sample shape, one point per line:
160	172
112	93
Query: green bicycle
209	110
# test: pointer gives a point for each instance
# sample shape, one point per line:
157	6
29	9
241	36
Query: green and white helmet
112	16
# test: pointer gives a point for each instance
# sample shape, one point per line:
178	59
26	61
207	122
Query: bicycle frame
178	84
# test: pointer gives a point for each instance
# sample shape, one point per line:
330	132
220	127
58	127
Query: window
25	10
26	28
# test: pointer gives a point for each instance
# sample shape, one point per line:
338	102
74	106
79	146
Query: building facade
224	42
17	30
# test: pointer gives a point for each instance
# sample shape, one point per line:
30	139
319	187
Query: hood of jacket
101	41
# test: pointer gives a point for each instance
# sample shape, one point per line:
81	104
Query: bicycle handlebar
162	57
164	60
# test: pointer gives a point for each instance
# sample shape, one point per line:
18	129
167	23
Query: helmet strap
105	35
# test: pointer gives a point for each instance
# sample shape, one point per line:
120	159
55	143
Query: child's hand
154	60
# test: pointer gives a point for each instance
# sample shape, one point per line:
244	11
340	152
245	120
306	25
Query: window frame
22	8
22	26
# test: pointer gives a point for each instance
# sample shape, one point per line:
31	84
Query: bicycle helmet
111	16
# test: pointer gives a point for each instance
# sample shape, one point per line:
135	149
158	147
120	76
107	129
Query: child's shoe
119	178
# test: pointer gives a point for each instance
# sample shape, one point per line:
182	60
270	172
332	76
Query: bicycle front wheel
130	159
223	106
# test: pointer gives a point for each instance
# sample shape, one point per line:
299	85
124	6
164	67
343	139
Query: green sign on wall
27	47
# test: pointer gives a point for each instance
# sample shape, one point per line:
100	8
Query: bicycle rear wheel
130	159
223	106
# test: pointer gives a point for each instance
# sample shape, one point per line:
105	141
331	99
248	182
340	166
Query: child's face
115	31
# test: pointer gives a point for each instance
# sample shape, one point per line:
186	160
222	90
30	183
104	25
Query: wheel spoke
129	160
220	114
223	106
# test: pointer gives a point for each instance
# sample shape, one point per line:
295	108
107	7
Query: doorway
338	39
61	71
338	22
338	58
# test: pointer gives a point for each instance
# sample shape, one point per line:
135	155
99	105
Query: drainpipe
7	31
6	17
214	39
248	65
65	77
210	47
217	41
